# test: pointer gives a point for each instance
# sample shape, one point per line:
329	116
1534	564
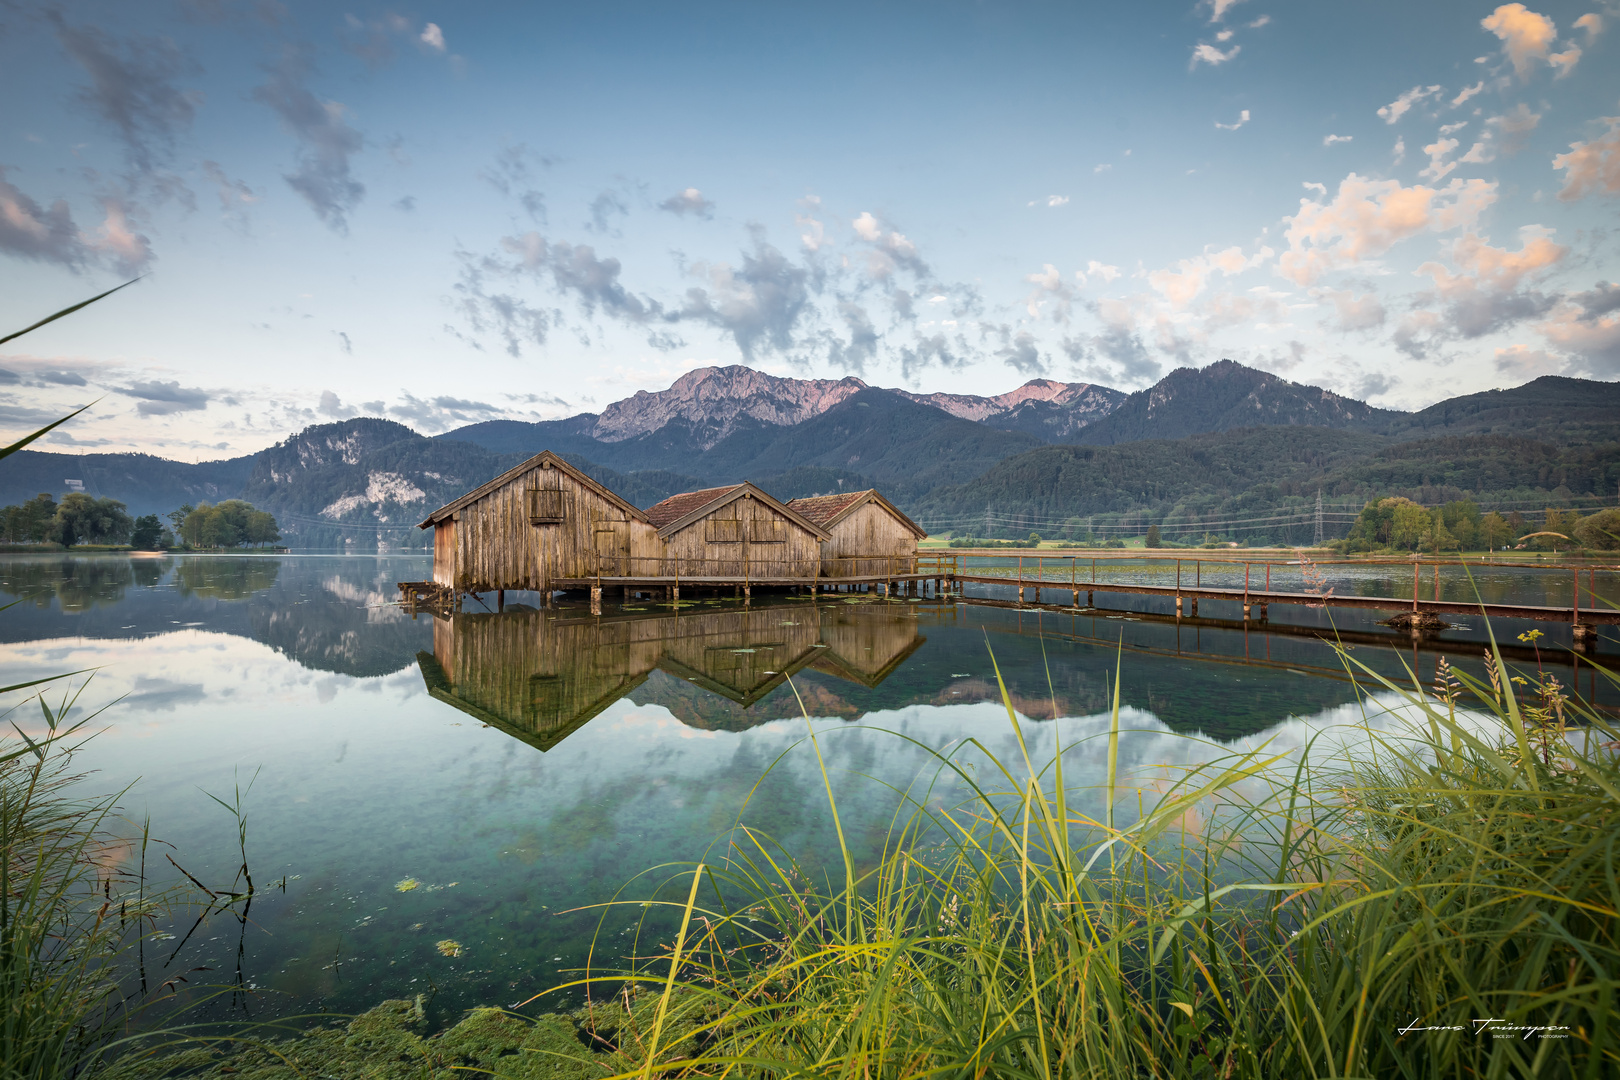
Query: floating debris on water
407	884
448	947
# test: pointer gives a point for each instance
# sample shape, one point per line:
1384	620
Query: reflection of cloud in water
161	695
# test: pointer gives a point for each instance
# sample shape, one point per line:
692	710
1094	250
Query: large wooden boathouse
537	524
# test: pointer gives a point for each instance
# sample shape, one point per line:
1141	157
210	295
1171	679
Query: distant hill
146	484
1223	396
1218	443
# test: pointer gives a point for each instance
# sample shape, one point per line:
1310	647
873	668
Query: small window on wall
723	531
767	532
548	507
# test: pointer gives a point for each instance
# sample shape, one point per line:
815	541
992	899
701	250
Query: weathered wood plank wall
692	552
496	546
869	541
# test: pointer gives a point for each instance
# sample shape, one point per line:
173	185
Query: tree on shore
84	519
232	523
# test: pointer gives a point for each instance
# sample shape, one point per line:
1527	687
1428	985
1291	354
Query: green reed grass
1354	914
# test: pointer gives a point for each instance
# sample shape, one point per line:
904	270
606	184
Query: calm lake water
519	765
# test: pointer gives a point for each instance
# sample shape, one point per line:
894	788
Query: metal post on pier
1178	588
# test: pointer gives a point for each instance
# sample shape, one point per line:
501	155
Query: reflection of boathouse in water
539	677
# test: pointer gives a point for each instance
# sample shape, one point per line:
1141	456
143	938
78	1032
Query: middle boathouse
546	526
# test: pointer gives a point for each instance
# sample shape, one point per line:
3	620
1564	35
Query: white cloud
1368	217
1225	35
1261	21
1101	169
1592	166
1593	25
1467	92
1219	8
1448	129
1402	105
1527	37
1179	285
1209	54
1399	152
1484	267
867	228
1311	185
1438	166
1243	118
1330	140
1102	270
433	37
1057	200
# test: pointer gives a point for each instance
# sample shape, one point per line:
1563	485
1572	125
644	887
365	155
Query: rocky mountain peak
322	445
714	401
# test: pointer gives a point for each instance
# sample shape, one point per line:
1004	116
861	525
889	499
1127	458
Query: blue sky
451	213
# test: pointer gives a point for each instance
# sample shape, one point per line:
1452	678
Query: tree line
1400	524
84	519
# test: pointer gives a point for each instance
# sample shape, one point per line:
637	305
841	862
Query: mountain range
1203	442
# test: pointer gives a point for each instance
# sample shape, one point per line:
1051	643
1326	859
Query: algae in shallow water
387	1044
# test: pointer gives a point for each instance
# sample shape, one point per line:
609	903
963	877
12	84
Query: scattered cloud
1523	362
1587	325
1367	217
1438	151
1219	8
1392	113
439	413
1484	294
132	90
1330	140
1512	129
1209	54
1398	154
1351	312
1592	23
1180	284
165	398
1527	37
432	37
1051	201
332	405
604	208
690	201
1592	167
1467	92
513	175
1243	118
1101	169
326	141
1264	20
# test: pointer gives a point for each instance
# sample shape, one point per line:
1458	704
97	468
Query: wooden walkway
1250	598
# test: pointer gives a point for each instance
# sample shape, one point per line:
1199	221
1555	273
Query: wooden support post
748	594
500	597
1417	569
1178	607
1195	607
596	599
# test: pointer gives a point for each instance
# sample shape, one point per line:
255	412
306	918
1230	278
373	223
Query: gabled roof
678	511
678	506
544	457
828	510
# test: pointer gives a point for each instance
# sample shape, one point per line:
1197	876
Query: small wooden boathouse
868	535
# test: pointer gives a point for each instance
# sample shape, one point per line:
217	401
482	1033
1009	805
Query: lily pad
407	884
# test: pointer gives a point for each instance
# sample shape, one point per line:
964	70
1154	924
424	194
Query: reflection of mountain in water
328	614
540	677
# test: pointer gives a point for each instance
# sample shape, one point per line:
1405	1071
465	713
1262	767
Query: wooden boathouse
869	536
734	533
538	524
